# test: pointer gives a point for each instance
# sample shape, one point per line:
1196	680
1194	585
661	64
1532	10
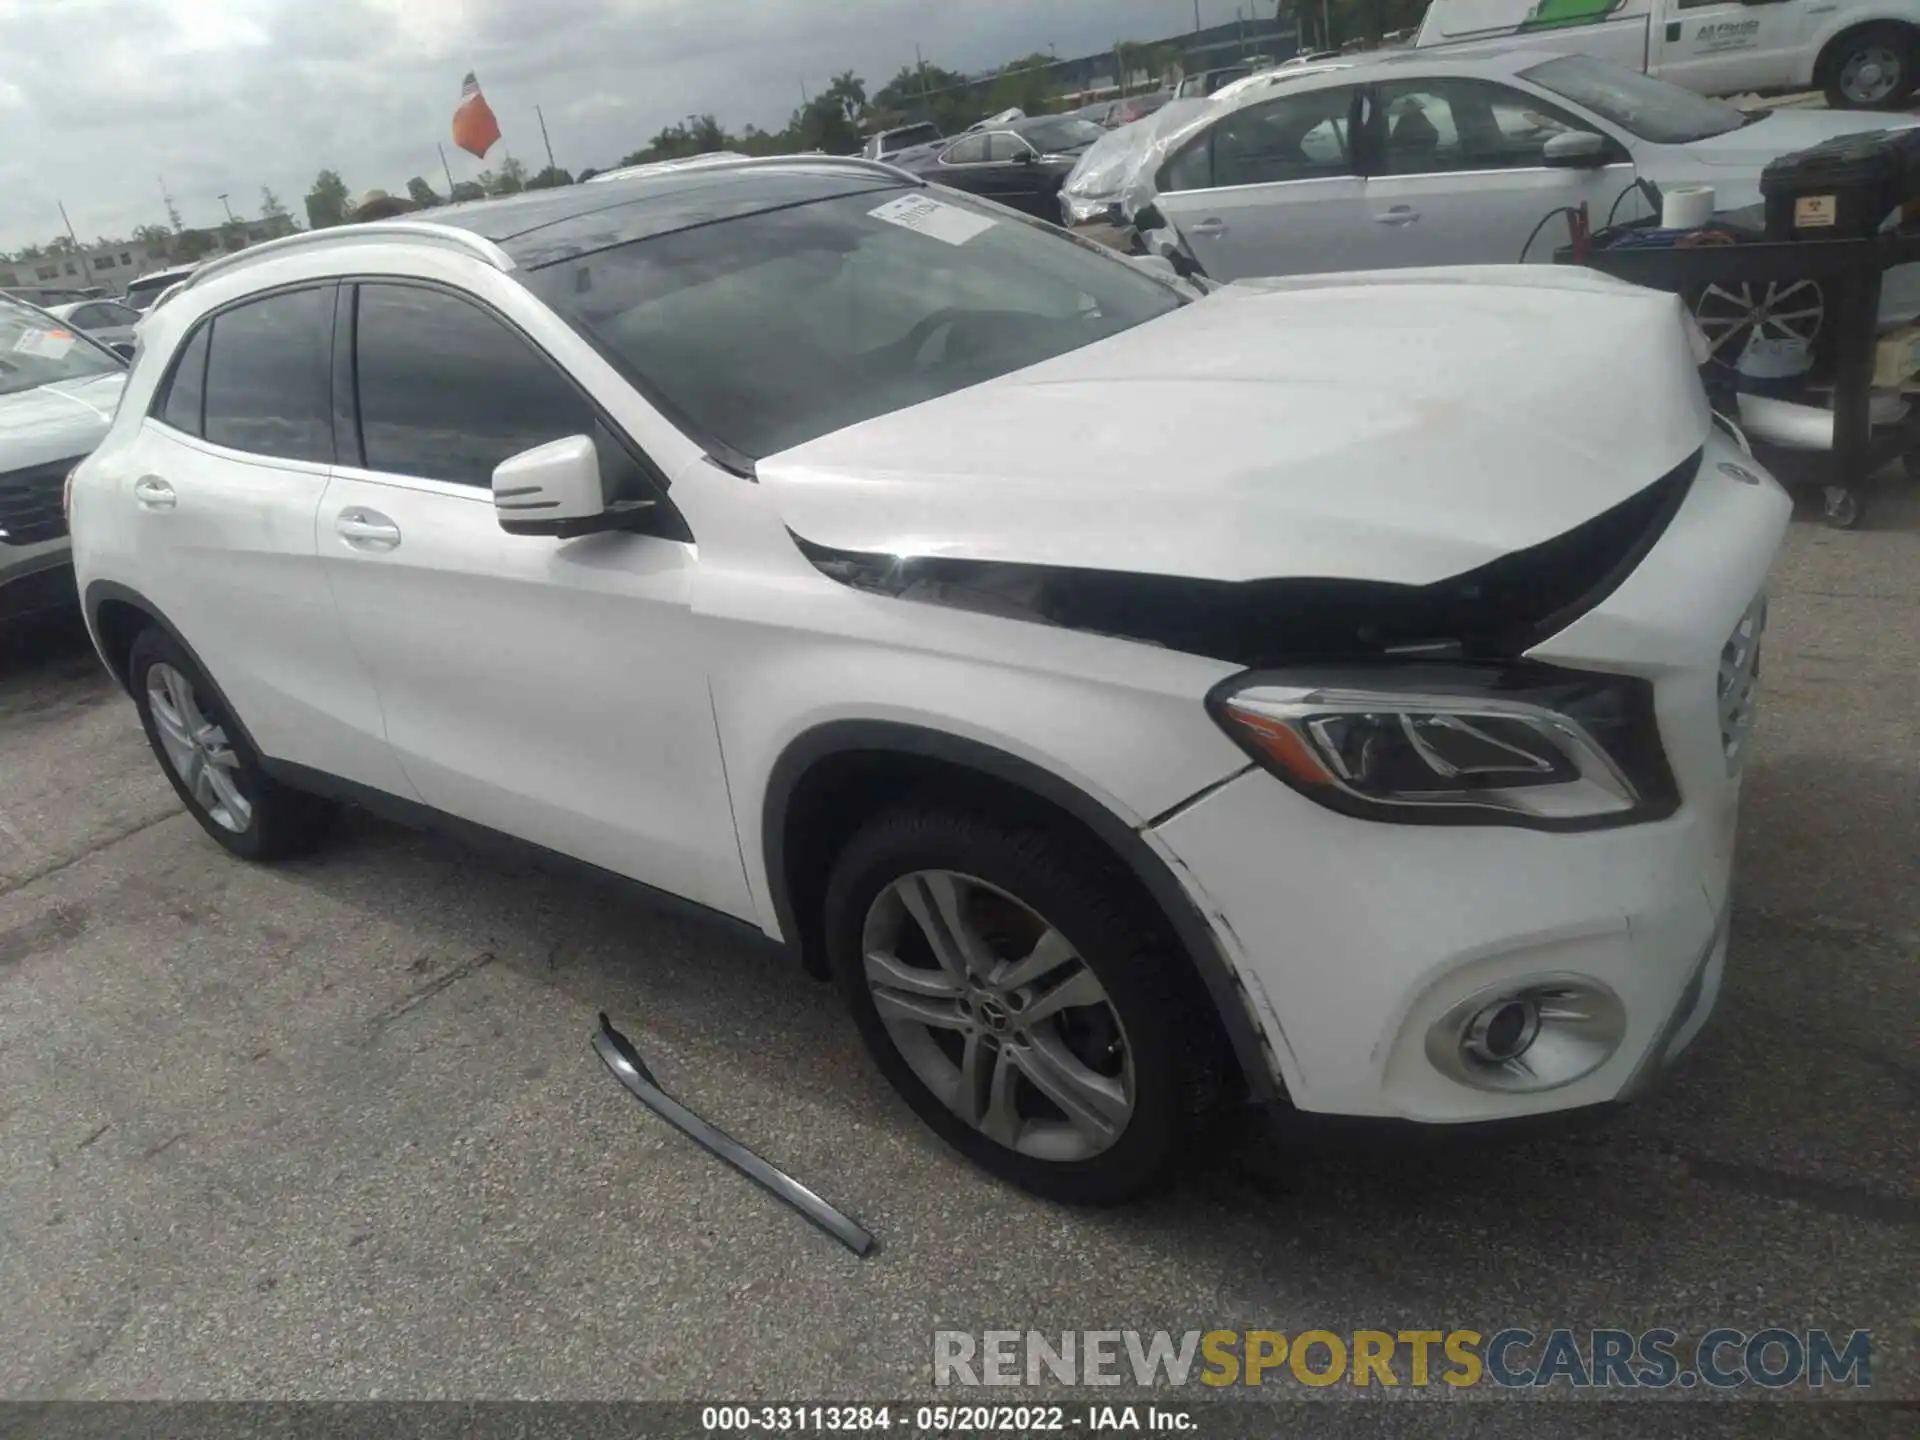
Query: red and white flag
474	128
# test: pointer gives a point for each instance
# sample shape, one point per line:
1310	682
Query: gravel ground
334	1130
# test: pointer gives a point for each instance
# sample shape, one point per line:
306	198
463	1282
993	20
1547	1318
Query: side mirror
122	348
554	489
1575	150
1025	157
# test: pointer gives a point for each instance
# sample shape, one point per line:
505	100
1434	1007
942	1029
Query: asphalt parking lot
334	1129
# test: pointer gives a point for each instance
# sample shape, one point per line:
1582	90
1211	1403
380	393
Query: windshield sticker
47	344
927	216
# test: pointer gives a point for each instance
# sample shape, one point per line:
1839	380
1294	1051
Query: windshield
1055	137
764	332
37	350
1651	109
906	139
143	292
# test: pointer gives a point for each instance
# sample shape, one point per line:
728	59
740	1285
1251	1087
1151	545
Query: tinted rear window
269	386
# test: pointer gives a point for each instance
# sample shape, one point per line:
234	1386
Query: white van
1861	52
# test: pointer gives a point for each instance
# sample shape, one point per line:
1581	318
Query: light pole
228	208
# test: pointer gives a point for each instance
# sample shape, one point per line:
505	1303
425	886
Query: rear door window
269	387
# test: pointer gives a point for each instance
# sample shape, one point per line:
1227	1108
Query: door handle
153	493
1397	215
1207	229
367	529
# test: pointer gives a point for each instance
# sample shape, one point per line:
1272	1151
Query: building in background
111	267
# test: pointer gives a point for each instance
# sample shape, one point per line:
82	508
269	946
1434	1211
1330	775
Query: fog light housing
1527	1037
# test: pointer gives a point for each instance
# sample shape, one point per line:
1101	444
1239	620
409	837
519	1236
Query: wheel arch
115	616
1851	29
829	779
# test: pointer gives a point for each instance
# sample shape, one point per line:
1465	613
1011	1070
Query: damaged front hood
1404	426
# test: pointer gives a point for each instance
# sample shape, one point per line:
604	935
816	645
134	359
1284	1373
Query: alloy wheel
1736	316
998	1015
197	748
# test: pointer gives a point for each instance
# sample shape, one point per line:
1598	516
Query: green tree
270	206
755	141
696	135
511	180
549	178
1026	84
327	201
465	190
849	92
422	194
925	92
155	238
707	134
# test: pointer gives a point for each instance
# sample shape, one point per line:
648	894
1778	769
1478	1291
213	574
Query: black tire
283	822
1181	1071
1896	39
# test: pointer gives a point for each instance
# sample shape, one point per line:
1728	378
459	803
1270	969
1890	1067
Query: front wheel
1871	69
206	757
1018	998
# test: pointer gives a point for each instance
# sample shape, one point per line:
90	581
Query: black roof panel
547	226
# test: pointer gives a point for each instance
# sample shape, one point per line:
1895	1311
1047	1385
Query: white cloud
99	99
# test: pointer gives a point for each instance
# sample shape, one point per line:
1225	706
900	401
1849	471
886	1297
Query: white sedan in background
107	321
1413	159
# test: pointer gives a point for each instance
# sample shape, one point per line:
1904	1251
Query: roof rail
450	236
856	162
725	161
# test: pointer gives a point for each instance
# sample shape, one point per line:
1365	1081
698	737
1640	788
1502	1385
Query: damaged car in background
1332	689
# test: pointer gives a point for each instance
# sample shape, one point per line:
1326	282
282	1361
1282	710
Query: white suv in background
1332	688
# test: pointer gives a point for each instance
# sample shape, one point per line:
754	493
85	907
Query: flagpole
86	270
551	164
446	167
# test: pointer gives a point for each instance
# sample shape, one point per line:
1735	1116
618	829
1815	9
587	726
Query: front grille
1739	684
30	503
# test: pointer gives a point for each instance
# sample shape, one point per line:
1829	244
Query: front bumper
1354	938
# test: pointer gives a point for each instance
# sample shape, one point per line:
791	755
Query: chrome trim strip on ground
619	1056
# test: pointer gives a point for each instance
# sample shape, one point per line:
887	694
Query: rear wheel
1871	68
1012	990
206	757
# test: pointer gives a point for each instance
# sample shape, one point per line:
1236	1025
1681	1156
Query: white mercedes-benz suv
1329	691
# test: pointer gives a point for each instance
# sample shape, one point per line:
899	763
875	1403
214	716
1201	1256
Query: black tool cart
1799	275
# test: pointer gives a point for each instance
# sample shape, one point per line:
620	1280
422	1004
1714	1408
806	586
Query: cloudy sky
100	99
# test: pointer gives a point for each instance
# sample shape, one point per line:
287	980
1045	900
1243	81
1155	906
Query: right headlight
1461	745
